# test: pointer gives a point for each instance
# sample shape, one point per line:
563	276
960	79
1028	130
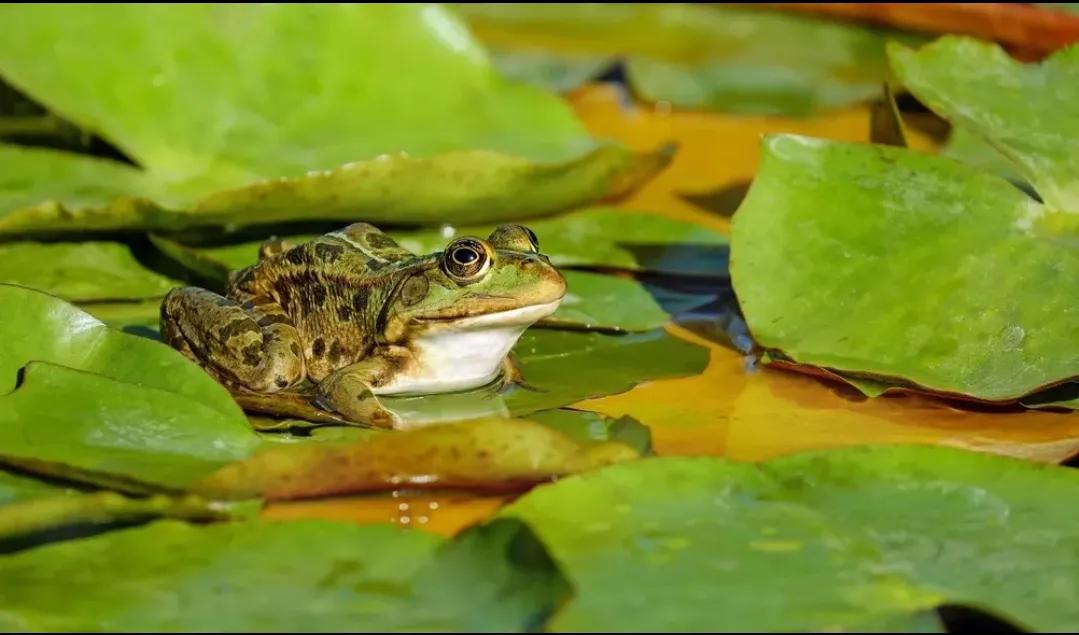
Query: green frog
355	315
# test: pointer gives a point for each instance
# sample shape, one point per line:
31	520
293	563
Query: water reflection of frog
358	316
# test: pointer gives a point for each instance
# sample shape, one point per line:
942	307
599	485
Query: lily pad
131	407
562	367
860	537
282	576
236	118
593	301
895	264
102	509
733	59
1026	111
605	237
484	454
583	425
81	271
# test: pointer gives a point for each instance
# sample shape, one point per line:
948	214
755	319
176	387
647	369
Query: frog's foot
512	377
347	392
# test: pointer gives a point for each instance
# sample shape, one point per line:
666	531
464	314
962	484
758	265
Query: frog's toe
362	408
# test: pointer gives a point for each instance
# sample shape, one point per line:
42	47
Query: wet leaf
593	301
717	57
966	146
31	517
1026	111
860	537
140	317
81	271
561	368
114	433
261	148
549	70
47	329
156	417
289	576
480	455
606	237
846	254
598	301
593	426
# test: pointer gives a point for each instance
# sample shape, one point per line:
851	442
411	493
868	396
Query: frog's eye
466	260
514	238
532	237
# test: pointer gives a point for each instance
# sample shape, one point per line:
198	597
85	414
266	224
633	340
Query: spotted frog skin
356	315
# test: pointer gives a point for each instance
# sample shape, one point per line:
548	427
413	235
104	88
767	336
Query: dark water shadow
723	201
688	260
967	619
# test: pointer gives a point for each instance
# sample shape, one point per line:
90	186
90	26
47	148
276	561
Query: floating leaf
48	329
548	69
859	537
138	317
157	417
1027	111
584	426
81	271
27	518
485	454
964	145
561	368
719	57
282	576
262	149
895	264
606	237
593	300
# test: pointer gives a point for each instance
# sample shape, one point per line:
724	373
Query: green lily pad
29	518
140	317
482	454
583	425
580	425
733	59
862	539
1026	111
549	70
895	264
47	329
605	237
564	367
372	123
132	408
593	301
282	576
29	506
81	271
964	145
114	433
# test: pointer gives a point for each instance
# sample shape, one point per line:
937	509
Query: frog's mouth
521	316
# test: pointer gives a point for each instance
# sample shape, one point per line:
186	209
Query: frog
355	316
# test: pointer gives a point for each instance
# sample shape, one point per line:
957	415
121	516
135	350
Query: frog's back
333	289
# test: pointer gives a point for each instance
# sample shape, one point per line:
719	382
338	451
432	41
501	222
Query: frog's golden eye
466	260
515	238
532	237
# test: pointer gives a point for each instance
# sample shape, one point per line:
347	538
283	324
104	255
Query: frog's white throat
466	353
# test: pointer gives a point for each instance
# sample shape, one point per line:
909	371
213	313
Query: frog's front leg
251	342
349	391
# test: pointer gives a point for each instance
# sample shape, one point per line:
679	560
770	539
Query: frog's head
476	284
